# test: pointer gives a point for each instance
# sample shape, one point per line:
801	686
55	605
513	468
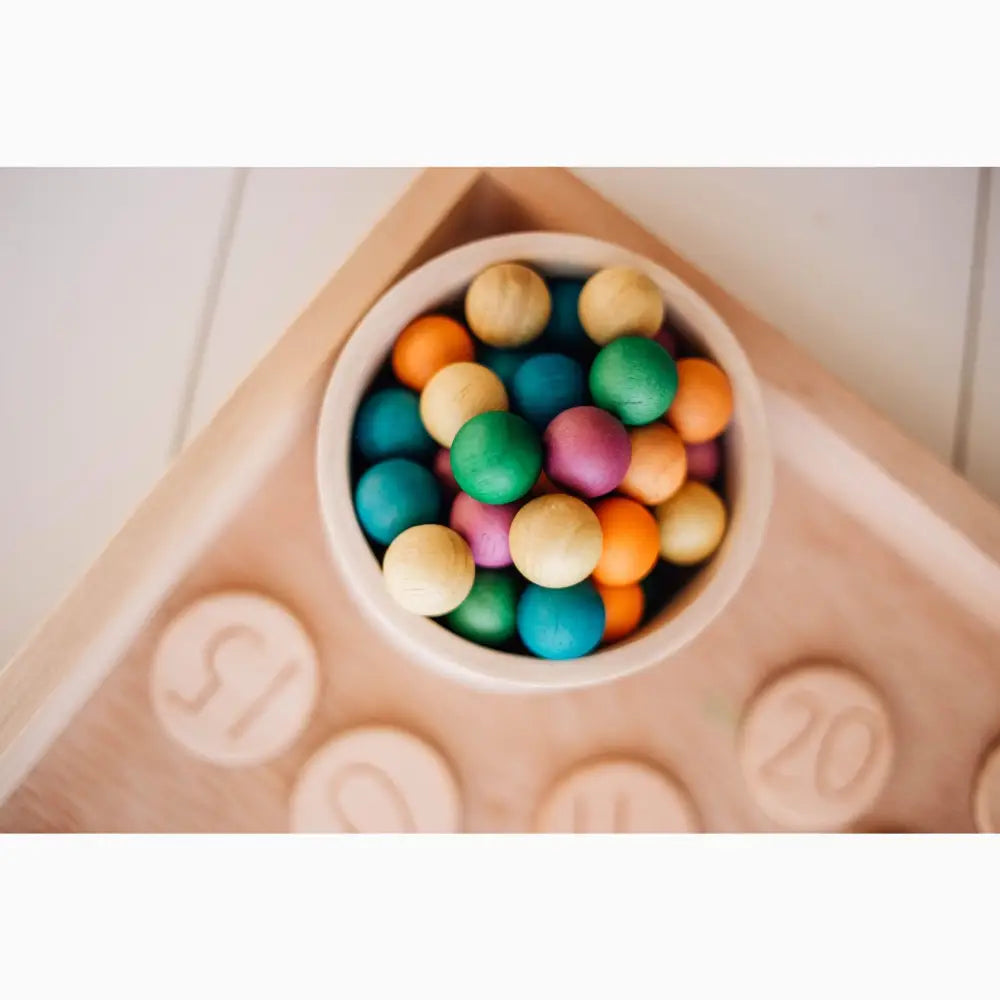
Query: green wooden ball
489	614
496	457
635	379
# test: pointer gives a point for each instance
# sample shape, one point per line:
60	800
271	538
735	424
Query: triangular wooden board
877	555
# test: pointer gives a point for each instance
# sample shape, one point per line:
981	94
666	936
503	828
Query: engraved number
403	821
619	816
828	735
213	681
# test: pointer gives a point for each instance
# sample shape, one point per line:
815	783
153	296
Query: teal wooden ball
496	457
489	614
395	495
503	361
635	379
388	425
561	624
545	385
565	332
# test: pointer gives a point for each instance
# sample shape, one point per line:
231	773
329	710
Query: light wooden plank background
983	446
132	302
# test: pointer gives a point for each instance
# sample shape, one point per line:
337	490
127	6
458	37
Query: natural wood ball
507	305
429	570
555	540
456	394
620	300
658	466
703	403
692	523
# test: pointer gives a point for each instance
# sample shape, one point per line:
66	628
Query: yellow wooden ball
619	301
507	305
555	540
429	570
692	523
457	393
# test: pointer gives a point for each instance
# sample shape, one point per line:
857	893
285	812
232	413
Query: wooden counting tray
876	556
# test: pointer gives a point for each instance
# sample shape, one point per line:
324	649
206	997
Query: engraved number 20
827	734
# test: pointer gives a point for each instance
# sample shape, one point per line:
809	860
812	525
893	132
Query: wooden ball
545	385
489	614
507	305
631	542
426	346
555	540
635	379
619	301
504	361
586	450
565	332
692	523
543	485
623	610
703	404
442	469
561	624
486	527
395	495
658	467
429	570
496	457
388	425
456	394
667	339
704	460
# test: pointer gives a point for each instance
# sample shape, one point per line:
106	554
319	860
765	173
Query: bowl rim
439	280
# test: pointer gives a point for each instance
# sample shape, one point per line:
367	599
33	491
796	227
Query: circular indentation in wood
617	795
986	793
375	780
234	679
816	747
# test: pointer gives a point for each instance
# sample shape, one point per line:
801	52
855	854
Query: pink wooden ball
486	527
703	460
442	469
667	339
587	450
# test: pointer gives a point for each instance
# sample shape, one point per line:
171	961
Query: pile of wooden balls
576	440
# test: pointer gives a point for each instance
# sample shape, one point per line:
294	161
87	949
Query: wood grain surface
838	579
826	587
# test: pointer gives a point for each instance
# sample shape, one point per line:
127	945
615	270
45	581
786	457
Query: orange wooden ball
623	608
426	346
703	404
658	466
631	542
544	485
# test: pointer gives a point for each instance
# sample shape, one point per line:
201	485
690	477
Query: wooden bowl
749	468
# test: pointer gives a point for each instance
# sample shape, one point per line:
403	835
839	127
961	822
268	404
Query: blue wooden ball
561	624
545	385
503	361
388	425
565	332
395	495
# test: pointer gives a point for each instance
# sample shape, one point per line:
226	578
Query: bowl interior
748	471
